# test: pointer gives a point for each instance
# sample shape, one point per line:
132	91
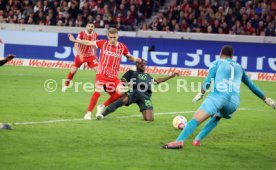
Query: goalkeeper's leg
199	117
208	127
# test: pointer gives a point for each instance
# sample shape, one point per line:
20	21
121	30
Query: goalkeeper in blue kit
222	101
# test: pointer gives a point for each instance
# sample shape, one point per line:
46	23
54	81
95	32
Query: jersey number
232	72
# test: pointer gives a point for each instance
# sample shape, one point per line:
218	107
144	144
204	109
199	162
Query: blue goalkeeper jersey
227	76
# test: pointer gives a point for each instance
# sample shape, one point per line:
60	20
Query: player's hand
270	102
10	57
138	60
175	74
71	37
198	97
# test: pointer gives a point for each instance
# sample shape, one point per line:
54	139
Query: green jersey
140	81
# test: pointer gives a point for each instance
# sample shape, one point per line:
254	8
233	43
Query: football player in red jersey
107	77
85	54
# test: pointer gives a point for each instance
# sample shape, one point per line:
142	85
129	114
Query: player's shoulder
82	32
122	44
233	62
94	34
214	63
130	71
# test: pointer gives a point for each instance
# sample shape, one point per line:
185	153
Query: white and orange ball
179	122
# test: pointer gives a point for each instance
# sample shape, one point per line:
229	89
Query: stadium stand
242	17
257	17
122	14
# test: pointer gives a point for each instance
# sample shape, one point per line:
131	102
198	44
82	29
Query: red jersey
87	51
110	58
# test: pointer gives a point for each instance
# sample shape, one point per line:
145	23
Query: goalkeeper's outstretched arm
257	91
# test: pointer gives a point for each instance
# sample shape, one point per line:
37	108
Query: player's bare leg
148	115
70	76
94	100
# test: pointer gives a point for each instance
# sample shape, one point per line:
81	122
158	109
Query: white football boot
87	116
64	88
100	109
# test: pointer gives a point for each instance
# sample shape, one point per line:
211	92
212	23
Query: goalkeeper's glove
270	102
198	97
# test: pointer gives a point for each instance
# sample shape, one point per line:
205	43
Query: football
179	122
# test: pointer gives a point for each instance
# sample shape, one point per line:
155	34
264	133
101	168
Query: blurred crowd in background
241	17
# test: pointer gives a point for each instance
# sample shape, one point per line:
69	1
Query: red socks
69	78
93	101
113	97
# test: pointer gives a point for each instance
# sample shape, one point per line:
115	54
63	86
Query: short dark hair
90	22
227	50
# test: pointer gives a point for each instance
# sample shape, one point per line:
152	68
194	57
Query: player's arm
84	42
95	53
257	91
2	62
207	82
76	45
132	58
7	59
161	80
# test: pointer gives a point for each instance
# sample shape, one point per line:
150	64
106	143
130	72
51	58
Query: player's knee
149	119
97	94
74	70
124	99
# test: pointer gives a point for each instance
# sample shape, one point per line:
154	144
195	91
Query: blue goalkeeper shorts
216	104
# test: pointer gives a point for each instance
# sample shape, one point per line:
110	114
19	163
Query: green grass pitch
123	140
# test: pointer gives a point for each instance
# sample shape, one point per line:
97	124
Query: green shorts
141	99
